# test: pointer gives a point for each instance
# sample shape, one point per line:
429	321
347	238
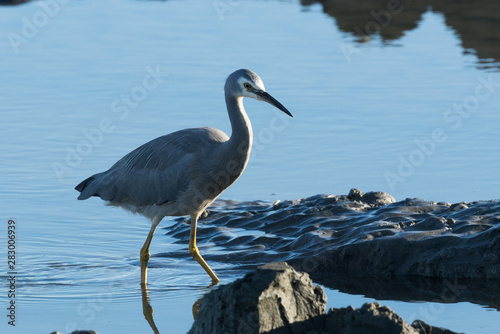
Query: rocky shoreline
360	243
276	299
357	235
279	300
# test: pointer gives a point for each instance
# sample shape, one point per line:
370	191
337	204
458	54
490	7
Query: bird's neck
242	135
230	159
235	153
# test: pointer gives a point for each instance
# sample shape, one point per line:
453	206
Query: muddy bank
428	247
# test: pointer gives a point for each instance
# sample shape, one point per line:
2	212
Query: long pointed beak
264	96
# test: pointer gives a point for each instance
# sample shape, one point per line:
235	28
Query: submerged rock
356	235
276	299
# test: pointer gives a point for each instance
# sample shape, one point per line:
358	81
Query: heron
182	173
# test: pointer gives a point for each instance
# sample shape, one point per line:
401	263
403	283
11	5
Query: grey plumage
184	172
156	173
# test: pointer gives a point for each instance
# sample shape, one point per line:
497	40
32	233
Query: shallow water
365	110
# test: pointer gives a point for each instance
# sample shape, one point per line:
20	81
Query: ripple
357	236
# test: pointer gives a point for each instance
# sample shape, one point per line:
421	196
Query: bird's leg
193	250
145	252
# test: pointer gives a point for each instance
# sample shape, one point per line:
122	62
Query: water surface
73	101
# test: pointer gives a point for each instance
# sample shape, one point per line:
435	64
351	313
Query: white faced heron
184	172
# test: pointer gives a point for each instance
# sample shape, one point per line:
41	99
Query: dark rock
347	237
275	299
355	194
375	198
378	198
374	318
371	318
272	297
424	328
458	206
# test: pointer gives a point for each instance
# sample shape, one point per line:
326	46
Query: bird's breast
225	170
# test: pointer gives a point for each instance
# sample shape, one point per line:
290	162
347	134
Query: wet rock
355	194
375	198
272	297
275	299
378	198
356	235
371	318
374	318
458	206
431	223
424	328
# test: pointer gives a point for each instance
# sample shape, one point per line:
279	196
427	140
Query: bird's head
245	83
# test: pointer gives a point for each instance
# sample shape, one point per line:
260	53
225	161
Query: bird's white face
249	88
248	84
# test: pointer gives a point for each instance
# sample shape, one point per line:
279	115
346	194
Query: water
365	113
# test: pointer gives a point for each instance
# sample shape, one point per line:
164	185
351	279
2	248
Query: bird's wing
156	172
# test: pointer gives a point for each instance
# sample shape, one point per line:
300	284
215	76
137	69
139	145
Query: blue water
77	93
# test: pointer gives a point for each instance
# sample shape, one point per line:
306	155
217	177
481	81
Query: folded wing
157	172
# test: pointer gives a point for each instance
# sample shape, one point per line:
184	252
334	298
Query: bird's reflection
196	307
147	310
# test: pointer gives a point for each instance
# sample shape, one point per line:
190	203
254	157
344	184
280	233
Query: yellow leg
193	250
145	252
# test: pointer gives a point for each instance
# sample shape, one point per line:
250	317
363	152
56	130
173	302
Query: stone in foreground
276	299
272	297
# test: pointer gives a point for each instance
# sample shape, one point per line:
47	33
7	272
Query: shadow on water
477	23
417	289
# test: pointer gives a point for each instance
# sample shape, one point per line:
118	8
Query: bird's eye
247	85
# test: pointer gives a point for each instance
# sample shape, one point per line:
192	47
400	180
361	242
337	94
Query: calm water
412	111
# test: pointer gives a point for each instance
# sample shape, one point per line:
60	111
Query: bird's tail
81	187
